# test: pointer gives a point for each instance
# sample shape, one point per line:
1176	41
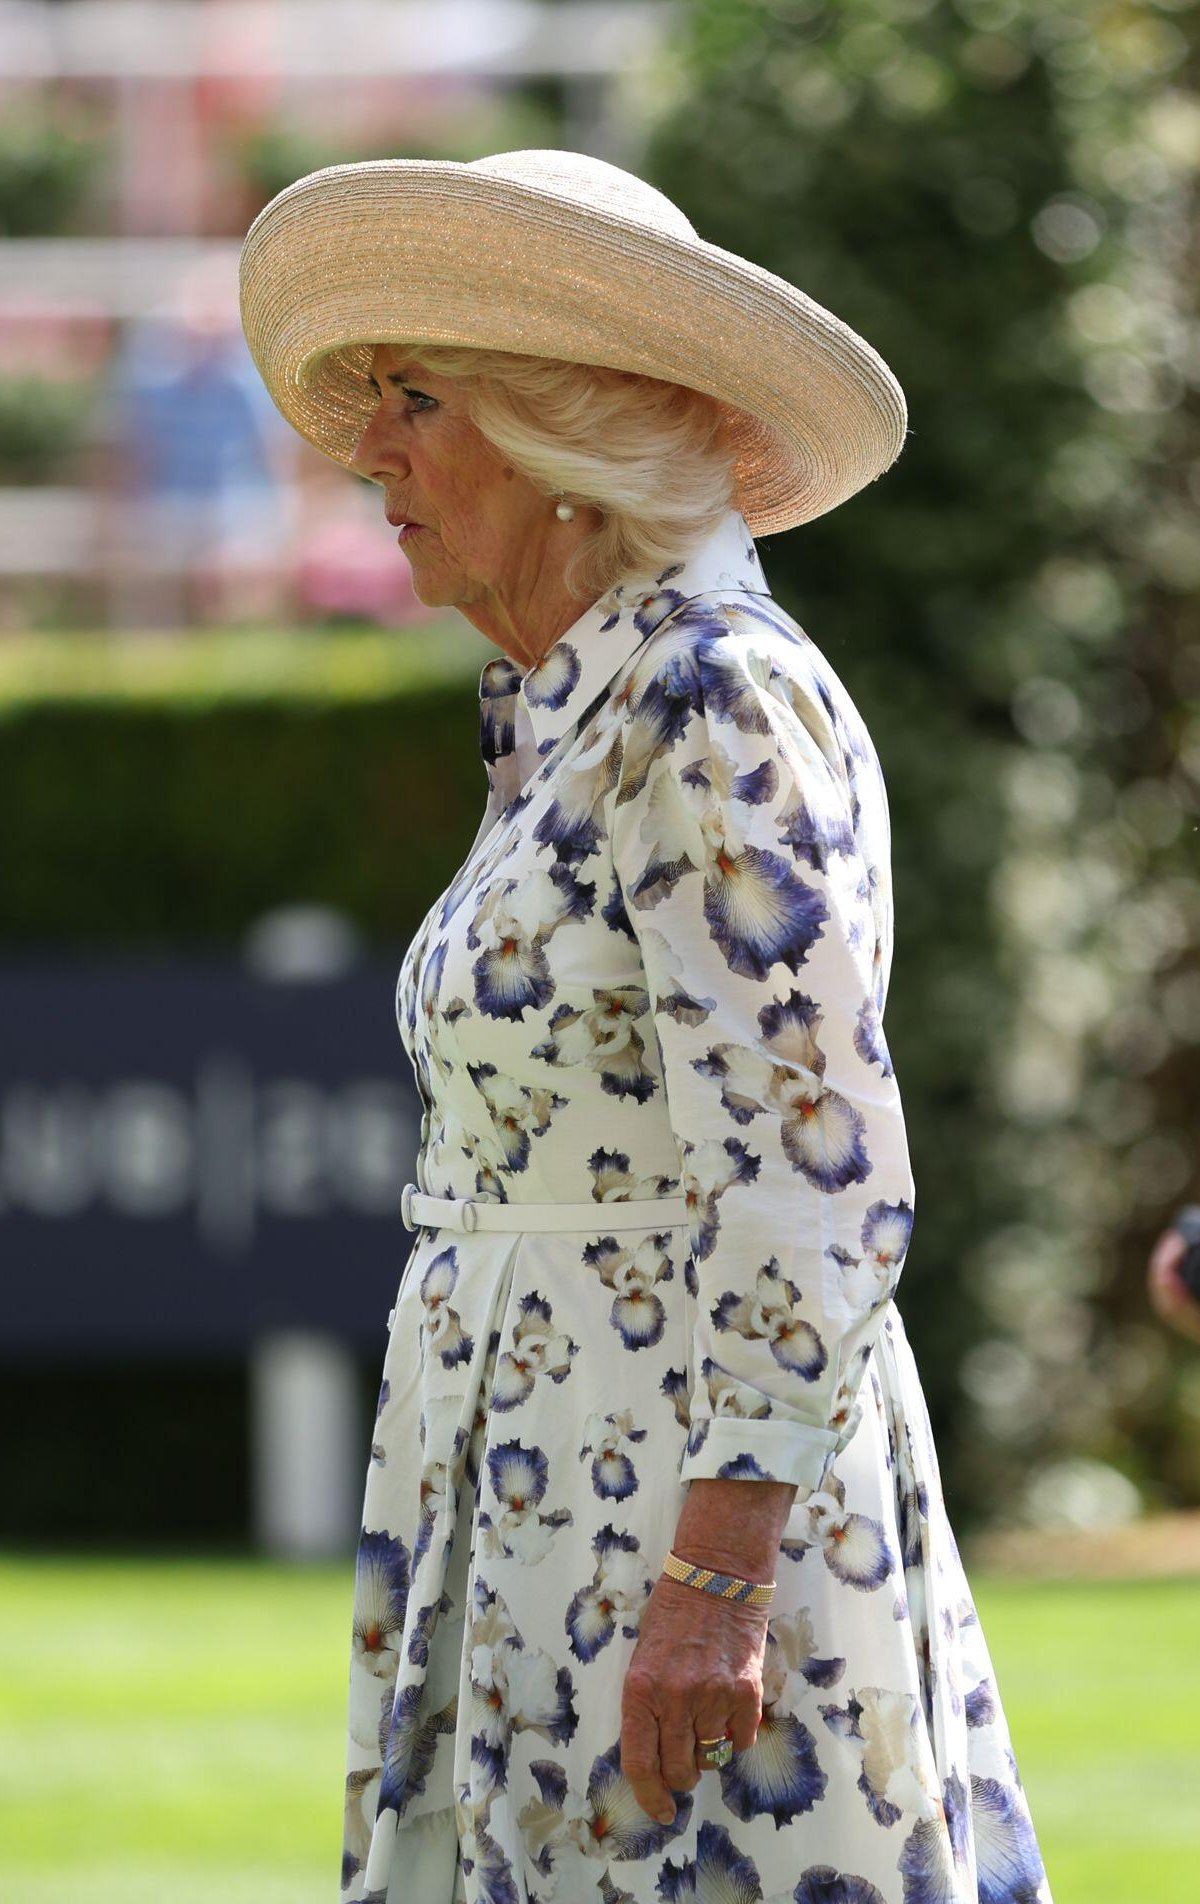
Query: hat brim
353	255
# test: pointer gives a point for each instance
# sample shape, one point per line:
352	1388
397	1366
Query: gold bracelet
726	1586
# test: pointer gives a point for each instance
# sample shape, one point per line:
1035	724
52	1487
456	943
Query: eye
410	392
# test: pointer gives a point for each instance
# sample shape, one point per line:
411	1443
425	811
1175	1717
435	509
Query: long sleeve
743	860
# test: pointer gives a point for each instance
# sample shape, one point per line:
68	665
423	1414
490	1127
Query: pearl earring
565	512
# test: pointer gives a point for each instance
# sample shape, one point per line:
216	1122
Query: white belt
418	1208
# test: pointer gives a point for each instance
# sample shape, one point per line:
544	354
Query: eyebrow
393	376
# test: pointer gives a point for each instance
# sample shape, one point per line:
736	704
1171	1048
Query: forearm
734	1526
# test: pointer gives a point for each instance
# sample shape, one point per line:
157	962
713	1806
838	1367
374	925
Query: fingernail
667	1817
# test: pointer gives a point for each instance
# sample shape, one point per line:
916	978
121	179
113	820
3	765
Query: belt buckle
468	1214
406	1197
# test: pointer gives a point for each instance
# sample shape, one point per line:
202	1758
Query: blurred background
237	756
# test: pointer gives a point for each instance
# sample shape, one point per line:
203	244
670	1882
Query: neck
526	614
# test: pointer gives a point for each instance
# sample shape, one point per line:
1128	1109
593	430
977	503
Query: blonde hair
650	456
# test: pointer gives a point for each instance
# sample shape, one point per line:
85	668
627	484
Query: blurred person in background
1175	1301
198	502
657	1595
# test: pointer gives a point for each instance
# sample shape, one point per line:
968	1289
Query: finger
678	1733
745	1712
1168	1252
640	1763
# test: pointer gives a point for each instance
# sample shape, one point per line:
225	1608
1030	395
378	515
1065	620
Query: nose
374	456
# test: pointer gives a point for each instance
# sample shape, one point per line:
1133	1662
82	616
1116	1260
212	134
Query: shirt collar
554	695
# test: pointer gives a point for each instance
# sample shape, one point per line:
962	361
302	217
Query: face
482	524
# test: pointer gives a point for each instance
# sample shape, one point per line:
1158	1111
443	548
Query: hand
695	1673
1170	1296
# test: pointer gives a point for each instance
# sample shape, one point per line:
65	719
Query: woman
657	1598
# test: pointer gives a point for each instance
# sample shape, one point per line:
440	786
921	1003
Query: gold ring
716	1752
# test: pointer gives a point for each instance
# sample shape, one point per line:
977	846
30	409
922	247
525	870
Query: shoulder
739	663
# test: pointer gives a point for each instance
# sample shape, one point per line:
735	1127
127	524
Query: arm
747	880
754	884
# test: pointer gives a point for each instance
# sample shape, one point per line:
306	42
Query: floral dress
661	971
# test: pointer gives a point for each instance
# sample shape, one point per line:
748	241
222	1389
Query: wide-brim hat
558	254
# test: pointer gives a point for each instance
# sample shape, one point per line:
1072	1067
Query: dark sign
190	1156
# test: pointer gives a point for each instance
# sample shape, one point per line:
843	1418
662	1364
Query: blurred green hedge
167	791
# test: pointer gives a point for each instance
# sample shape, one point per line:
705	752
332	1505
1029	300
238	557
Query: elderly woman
656	1597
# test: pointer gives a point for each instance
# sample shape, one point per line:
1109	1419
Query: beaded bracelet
726	1586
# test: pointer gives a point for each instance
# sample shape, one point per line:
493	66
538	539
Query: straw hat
557	254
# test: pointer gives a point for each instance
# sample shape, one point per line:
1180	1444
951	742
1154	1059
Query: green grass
1101	1684
174	1730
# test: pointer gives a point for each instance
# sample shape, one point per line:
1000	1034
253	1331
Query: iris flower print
432	1498
604	1037
614	1182
518	1114
1007	1857
637	1314
378	1451
572	825
644	607
779	1775
745	1467
822	1133
408	1743
980	1704
926	1866
424	1626
548	681
768	1314
691	668
674	1386
663	692
538	1349
613	1474
756	908
672	997
817	823
381	1587
566	1832
482	1858
718	1871
709	1170
519	1477
886	1731
431	1010
956	1806
821	1884
609	1892
790	1666
620	1585
855	1548
869	1280
869	1041
728	1396
499	681
358	1820
513	924
515	1687
441	1326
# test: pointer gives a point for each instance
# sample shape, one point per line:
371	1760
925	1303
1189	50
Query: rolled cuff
730	1448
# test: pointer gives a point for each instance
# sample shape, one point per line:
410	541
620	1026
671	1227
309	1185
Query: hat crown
589	181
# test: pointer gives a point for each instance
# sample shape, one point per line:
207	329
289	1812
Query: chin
427	591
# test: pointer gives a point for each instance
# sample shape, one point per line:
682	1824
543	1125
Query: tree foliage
1001	196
